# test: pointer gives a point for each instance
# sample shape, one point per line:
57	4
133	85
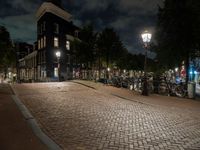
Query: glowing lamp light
191	72
146	37
58	54
176	69
195	72
108	69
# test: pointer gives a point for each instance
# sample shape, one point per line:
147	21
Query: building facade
55	32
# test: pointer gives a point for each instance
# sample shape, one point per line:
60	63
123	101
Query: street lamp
146	37
108	69
58	55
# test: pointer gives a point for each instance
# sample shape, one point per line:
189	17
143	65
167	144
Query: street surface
107	118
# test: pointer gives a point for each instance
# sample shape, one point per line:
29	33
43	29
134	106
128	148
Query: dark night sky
128	17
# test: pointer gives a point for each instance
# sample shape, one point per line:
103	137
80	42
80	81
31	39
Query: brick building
55	32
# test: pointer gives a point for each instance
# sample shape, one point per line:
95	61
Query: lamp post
146	37
58	55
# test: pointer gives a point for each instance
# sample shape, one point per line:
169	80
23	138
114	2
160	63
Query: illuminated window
67	45
44	41
55	72
55	42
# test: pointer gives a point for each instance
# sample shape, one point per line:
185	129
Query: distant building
23	49
55	32
23	52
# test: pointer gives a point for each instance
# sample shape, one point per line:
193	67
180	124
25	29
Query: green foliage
85	47
178	31
7	53
111	48
105	49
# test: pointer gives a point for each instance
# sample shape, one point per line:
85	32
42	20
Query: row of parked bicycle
159	85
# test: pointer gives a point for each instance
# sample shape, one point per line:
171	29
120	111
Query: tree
7	53
111	49
177	32
110	46
104	50
86	46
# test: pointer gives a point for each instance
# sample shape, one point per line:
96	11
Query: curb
84	85
118	96
34	125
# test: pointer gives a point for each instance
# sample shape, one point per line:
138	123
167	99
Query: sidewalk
15	134
152	99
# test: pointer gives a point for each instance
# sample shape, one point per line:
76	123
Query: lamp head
146	36
58	54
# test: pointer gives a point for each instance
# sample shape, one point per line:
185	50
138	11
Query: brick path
81	118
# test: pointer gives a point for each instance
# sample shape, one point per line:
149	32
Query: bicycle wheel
179	91
162	90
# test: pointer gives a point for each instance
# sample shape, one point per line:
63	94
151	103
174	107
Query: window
41	29
55	42
67	45
44	26
40	57
56	28
44	56
38	44
43	73
38	29
44	41
55	72
76	33
68	59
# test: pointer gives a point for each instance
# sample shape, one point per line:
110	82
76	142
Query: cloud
22	28
128	17
29	6
122	22
140	6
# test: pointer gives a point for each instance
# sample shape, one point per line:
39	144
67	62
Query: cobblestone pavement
81	118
